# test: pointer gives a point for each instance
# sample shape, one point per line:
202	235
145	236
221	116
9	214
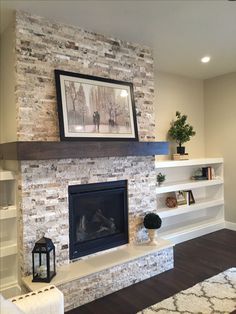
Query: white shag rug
214	295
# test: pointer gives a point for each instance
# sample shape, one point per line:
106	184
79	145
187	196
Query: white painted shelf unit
206	214
8	235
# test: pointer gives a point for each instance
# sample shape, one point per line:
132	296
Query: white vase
152	236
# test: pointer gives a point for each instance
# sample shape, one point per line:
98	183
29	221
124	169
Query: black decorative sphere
152	221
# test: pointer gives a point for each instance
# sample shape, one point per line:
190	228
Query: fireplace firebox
98	217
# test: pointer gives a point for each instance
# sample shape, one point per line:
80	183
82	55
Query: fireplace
98	217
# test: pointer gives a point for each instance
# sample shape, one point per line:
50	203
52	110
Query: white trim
199	205
8	248
190	162
230	225
186	185
6	175
189	233
8	213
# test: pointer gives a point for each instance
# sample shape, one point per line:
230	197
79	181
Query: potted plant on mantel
181	132
152	222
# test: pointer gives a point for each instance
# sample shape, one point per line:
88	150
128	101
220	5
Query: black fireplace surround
98	217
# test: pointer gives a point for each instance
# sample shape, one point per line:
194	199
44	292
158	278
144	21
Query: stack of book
205	173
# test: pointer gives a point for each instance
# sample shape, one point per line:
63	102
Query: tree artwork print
92	107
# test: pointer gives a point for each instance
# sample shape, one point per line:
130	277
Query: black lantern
43	257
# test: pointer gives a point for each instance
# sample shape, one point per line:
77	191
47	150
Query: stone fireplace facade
44	190
41	47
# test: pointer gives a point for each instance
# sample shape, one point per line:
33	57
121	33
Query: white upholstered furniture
48	300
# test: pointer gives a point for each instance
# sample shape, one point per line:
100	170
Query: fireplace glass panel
98	217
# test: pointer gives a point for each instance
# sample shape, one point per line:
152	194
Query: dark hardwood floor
195	260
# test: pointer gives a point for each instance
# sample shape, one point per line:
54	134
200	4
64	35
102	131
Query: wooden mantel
80	149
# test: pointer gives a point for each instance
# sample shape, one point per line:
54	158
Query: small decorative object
176	156
181	132
95	108
199	174
181	198
181	157
152	222
160	178
43	258
171	202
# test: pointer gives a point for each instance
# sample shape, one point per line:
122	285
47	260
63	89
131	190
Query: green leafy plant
152	221
180	130
161	177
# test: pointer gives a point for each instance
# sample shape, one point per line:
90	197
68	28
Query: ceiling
180	32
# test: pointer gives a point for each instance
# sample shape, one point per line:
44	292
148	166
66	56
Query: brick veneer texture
43	45
43	188
84	290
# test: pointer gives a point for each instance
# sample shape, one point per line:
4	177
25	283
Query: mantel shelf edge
33	150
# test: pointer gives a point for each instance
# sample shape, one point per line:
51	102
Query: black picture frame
95	108
191	199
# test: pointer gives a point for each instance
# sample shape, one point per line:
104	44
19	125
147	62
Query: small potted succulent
161	178
181	131
152	222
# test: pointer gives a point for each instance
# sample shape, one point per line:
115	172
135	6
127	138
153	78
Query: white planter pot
152	236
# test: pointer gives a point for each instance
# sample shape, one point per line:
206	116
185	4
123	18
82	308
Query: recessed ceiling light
205	59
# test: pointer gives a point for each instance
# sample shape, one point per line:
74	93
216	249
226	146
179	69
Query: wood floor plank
195	261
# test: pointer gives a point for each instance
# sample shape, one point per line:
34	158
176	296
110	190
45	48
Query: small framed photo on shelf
181	197
191	199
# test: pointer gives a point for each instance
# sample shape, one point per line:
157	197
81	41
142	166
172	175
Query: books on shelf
204	173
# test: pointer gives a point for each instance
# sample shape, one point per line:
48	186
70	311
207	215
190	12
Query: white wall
7	87
220	115
175	92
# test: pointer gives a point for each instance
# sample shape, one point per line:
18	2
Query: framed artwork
191	199
184	197
95	108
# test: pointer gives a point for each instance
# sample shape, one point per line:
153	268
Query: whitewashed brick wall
43	46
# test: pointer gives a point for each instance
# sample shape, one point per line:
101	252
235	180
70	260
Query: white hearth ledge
98	263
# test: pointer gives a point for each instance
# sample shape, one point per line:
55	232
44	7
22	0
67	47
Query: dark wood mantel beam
80	149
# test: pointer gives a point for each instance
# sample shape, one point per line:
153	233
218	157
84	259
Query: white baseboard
230	225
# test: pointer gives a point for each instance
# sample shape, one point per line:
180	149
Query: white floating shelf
10	212
8	248
6	175
186	185
199	228
199	205
190	162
